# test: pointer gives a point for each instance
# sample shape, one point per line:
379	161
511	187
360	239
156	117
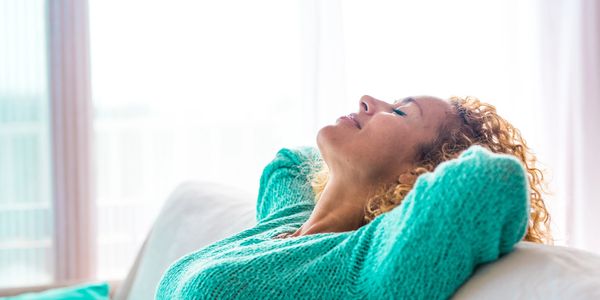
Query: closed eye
399	112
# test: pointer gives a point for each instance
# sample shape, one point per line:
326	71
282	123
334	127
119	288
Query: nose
368	104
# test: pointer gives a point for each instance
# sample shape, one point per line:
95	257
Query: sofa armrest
121	289
195	215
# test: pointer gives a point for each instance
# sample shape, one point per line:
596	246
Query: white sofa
199	213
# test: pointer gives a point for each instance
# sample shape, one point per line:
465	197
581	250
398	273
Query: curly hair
475	122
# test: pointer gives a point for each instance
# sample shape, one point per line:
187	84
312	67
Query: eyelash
399	112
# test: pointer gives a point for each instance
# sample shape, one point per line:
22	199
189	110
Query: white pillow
195	215
536	271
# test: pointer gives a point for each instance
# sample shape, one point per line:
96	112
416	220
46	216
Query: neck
340	208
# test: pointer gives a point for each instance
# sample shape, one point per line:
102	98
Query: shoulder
301	158
298	154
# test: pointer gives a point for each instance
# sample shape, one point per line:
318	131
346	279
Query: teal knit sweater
470	210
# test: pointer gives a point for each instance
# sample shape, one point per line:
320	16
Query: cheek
387	141
392	131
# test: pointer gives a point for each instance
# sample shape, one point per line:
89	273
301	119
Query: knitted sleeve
284	181
469	211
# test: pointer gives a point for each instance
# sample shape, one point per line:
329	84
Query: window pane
25	194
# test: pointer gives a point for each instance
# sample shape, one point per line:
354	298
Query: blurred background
106	106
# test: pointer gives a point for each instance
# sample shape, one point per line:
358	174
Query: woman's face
383	143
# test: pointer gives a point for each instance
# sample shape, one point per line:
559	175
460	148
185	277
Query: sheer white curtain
198	90
536	61
192	90
569	106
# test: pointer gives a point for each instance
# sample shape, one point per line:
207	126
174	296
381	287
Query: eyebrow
408	100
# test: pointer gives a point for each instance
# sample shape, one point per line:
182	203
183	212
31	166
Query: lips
354	118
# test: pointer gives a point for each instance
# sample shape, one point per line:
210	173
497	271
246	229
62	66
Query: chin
331	139
322	135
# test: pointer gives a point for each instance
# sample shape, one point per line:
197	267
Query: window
26	214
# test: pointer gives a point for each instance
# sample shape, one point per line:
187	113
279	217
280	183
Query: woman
368	156
410	198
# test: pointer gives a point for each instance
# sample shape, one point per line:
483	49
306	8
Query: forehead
431	100
434	109
430	103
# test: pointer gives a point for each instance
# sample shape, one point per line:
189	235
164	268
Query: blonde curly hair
476	122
